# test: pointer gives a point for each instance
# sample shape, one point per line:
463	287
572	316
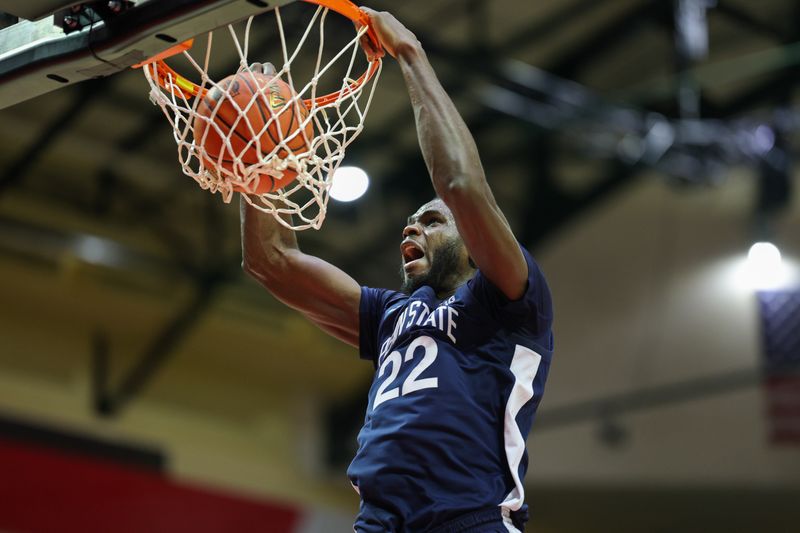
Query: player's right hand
390	31
267	68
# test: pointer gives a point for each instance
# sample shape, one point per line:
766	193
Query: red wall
43	490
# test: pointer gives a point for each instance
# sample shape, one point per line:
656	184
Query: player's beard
443	271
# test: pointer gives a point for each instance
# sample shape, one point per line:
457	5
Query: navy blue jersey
456	387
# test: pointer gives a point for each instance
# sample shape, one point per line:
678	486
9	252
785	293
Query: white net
282	153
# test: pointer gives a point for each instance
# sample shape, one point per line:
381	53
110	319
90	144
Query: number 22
412	383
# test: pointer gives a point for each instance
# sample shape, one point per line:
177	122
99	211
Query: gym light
349	183
765	269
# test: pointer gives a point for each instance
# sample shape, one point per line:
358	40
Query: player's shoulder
382	300
534	302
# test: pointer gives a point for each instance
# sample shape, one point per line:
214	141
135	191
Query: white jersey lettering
417	313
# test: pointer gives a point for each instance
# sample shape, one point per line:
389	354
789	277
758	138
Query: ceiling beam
746	19
599	409
108	401
538	31
17	169
568	64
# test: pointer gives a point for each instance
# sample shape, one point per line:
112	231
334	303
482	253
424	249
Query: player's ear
472	263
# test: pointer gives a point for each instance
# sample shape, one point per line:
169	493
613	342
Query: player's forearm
446	142
265	243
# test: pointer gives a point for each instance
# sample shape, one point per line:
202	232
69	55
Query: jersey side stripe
524	366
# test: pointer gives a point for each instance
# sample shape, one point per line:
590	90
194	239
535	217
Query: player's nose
411	229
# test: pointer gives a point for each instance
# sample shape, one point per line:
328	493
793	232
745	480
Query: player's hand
266	68
391	33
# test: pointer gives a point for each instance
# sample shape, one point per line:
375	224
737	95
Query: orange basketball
271	118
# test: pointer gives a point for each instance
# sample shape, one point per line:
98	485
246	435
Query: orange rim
164	73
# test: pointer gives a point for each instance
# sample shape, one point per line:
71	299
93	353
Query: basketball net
337	119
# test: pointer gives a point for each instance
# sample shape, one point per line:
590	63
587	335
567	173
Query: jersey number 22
413	382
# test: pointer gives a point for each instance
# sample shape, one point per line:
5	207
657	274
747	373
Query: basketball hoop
243	164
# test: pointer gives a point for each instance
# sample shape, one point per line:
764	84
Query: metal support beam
745	19
603	39
541	30
16	171
108	401
538	31
772	89
550	209
598	409
690	34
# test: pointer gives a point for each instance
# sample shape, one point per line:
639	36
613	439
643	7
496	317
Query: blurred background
639	149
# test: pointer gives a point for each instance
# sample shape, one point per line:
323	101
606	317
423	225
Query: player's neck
444	293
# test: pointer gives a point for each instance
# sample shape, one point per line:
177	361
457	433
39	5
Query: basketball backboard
53	43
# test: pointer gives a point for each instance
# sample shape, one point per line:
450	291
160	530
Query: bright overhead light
764	254
765	268
98	251
349	183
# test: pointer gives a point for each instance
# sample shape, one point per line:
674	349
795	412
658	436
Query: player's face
432	251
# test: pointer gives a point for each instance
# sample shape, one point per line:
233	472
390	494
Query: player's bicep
322	292
489	239
345	335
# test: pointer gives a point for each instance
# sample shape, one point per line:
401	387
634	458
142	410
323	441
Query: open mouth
411	252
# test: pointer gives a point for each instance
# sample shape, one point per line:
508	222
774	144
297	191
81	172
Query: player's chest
428	349
454	322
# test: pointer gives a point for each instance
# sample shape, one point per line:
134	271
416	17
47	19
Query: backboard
53	43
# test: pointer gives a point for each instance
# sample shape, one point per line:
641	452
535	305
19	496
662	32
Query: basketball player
461	352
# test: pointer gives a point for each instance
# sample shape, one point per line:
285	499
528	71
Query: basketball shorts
491	520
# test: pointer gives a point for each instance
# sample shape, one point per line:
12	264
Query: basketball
255	112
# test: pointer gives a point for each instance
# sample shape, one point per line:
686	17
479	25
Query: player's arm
326	295
453	162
